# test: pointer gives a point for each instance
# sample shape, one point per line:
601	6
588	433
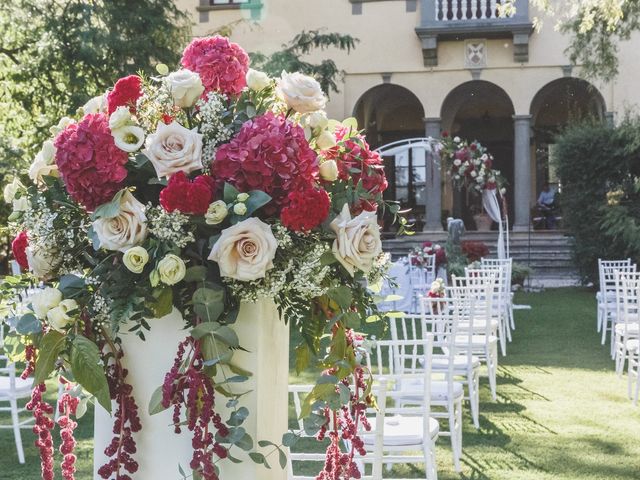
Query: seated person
546	205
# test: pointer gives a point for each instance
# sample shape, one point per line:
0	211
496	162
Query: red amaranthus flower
42	412
19	249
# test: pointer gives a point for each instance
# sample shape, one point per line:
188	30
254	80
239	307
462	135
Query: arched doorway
555	105
482	111
389	113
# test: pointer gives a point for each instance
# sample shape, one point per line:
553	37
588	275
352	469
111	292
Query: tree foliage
596	28
600	170
291	57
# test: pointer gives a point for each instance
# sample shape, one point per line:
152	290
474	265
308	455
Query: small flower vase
160	452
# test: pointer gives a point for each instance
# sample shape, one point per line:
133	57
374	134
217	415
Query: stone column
433	197
522	171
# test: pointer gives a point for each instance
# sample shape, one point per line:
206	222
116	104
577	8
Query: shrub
599	166
474	251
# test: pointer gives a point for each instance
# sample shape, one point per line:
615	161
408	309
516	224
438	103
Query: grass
561	413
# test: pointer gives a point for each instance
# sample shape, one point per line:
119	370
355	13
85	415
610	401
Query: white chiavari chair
404	426
625	316
608	308
506	263
421	276
606	295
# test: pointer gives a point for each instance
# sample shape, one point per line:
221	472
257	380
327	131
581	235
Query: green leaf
155	404
82	408
282	458
162	303
182	472
327	258
342	296
28	324
257	199
208	303
93	236
373	318
227	336
203	329
88	371
71	285
303	357
197	273
110	209
259	458
289	439
51	346
230	193
238	417
351	319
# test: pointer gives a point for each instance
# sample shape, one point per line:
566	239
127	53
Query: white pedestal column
522	171
160	450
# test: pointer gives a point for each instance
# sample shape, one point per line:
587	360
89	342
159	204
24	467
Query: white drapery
492	207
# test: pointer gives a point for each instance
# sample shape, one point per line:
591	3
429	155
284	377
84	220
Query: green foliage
290	58
599	167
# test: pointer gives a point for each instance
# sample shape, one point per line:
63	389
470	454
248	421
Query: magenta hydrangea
270	154
90	164
221	64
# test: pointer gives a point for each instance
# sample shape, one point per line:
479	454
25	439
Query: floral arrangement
437	290
197	190
419	254
474	251
469	164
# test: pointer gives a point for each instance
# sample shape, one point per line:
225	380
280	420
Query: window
407	178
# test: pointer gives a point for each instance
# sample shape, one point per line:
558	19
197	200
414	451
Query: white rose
457	177
245	251
185	87
128	138
10	190
173	148
44	163
484	157
456	139
59	318
216	213
257	80
329	170
473	173
21	204
503	191
317	120
45	300
127	229
457	162
42	262
119	118
135	259
326	140
63	123
239	209
95	105
357	242
301	92
171	269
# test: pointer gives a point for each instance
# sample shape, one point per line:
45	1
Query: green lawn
561	412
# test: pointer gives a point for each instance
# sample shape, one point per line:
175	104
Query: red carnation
19	249
183	195
125	92
356	161
445	134
91	166
306	210
221	64
270	154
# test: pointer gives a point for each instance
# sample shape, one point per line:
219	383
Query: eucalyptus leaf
289	439
256	200
28	324
238	417
197	273
71	285
203	329
230	193
208	303
162	302
110	209
227	336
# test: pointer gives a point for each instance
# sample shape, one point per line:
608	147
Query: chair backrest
506	263
498	274
423	274
609	264
473	304
8	370
628	300
609	278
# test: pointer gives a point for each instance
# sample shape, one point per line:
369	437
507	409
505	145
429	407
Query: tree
290	58
596	28
56	54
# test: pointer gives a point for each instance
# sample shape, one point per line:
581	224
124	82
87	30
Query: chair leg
621	355
15	419
474	404
430	465
599	319
502	334
455	431
492	365
512	321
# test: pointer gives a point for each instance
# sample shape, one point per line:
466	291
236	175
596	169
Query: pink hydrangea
91	166
221	64
269	154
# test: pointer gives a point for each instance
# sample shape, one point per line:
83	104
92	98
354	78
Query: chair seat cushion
23	387
412	390
632	328
633	344
478	325
476	340
400	431
441	362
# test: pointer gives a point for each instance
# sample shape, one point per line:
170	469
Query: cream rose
45	300
216	213
301	92
119	118
127	229
58	317
317	120
257	80
173	148
95	105
357	242
44	163
185	87
171	269
245	251
10	190
329	170
42	262
326	140
128	138
135	259
240	209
